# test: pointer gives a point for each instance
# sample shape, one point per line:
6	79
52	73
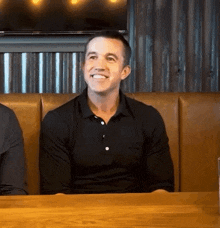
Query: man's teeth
98	76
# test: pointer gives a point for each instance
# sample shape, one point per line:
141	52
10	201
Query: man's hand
160	191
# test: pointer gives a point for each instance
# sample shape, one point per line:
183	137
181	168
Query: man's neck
103	105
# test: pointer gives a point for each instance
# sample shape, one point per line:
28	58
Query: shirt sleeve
12	168
54	158
158	165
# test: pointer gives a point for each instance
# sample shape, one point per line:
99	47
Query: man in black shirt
12	160
103	141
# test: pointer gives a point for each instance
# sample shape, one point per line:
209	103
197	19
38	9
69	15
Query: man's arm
158	163
12	164
54	158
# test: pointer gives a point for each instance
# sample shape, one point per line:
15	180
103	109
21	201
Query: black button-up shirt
12	160
81	154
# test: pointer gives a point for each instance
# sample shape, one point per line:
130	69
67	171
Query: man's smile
99	76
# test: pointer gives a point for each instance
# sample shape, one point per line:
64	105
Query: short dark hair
113	35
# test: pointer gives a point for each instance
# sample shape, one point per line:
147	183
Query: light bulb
36	2
74	1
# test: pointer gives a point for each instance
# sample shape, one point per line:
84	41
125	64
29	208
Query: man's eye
111	59
92	57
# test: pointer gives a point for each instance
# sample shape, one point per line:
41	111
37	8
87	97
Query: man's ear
125	72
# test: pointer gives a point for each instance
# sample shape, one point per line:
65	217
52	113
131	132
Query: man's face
103	68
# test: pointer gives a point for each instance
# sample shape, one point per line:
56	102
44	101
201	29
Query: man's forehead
99	42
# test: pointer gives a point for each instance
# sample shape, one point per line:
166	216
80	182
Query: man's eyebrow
91	53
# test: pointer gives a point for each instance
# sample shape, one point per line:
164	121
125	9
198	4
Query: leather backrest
167	105
52	101
199	141
27	110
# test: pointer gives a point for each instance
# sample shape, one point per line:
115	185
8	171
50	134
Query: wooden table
111	210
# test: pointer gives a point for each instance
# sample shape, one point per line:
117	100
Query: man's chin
102	91
99	91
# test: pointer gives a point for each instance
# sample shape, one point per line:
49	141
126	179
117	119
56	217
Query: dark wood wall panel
32	73
184	37
175	47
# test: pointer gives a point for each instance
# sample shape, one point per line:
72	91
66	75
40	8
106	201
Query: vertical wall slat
74	72
141	47
190	60
24	72
69	73
174	58
161	59
7	80
214	63
32	72
182	47
2	81
49	72
198	46
206	73
60	76
144	48
129	84
65	75
15	72
157	60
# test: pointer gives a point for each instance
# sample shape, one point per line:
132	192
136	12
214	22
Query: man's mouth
98	76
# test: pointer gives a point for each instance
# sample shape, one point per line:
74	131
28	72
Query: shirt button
107	148
102	122
103	136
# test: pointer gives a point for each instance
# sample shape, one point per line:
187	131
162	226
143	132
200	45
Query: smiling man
103	141
104	69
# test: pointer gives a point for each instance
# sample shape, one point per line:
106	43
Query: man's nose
100	64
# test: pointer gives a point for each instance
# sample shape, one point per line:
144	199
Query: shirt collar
85	110
123	108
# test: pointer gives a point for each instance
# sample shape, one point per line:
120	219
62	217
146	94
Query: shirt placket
106	146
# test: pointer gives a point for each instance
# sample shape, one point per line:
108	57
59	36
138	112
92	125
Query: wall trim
43	44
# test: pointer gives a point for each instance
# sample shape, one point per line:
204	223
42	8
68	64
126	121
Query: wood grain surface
111	210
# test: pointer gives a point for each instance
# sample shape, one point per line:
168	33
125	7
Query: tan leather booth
199	141
192	122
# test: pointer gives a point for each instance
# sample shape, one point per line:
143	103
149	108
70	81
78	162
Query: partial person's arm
158	163
12	160
54	158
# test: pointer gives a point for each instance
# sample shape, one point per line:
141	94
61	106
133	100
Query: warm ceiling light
113	0
74	1
36	2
